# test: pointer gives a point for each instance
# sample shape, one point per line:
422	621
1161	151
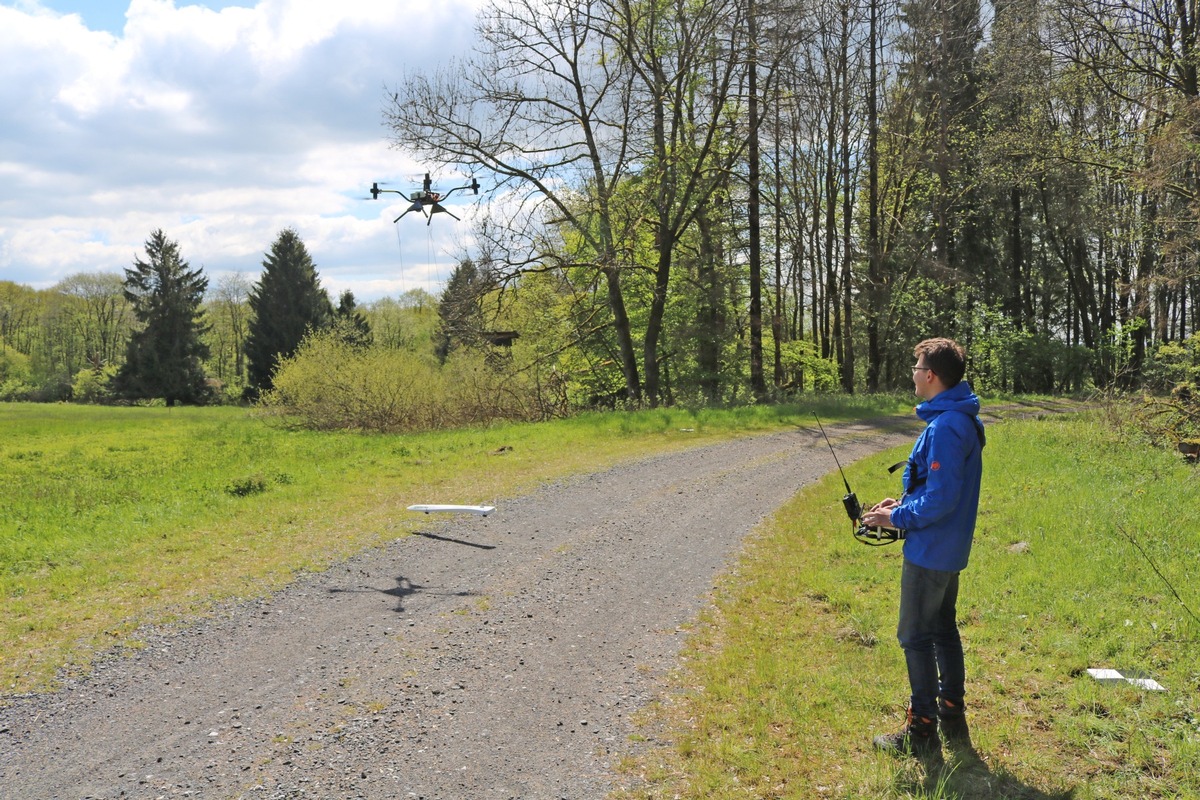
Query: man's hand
880	514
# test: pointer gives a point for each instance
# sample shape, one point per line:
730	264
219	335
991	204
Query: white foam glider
483	511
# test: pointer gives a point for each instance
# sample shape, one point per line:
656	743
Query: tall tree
939	44
287	303
1146	56
682	94
460	310
230	310
874	269
164	357
407	323
351	322
101	314
543	107
757	381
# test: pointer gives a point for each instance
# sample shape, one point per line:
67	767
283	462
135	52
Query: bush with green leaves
14	374
1170	411
800	357
1172	364
329	384
91	386
1006	358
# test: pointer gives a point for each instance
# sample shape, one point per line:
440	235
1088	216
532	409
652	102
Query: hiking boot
952	721
918	737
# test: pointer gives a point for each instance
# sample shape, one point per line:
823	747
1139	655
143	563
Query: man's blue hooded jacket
941	482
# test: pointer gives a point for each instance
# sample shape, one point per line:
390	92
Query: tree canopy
1021	175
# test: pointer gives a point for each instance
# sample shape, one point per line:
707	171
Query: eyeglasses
920	369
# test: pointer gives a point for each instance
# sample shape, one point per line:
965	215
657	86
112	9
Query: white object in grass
1135	677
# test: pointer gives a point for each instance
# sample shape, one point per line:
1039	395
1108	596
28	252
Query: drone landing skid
434	209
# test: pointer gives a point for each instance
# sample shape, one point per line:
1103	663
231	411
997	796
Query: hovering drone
426	198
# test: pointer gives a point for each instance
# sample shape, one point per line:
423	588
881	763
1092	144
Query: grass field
115	518
796	668
112	518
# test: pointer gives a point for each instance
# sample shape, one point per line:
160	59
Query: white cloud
220	127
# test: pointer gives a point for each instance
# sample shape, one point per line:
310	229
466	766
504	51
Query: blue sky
109	15
221	123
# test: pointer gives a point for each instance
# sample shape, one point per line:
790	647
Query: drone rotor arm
473	186
375	191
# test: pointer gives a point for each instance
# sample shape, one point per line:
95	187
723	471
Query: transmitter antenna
833	452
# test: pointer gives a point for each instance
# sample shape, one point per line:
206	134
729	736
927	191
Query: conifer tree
351	324
287	303
460	310
164	357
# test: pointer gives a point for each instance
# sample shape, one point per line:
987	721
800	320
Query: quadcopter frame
426	198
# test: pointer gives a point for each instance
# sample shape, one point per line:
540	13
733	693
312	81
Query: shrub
54	389
13	364
1170	412
14	374
801	357
1172	364
91	386
15	389
331	385
245	487
1005	358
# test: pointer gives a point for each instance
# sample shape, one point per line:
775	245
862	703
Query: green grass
796	668
111	518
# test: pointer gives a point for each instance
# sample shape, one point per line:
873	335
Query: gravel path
498	657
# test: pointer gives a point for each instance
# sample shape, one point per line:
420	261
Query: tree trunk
708	345
874	271
1017	259
757	380
847	333
616	303
654	324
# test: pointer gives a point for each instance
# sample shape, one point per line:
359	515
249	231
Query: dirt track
497	657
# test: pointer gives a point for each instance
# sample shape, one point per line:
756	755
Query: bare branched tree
543	106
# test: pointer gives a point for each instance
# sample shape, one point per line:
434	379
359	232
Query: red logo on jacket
935	465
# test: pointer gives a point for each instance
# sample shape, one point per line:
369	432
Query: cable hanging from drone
426	201
874	537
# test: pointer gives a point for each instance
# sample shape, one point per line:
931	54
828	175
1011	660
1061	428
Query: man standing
938	510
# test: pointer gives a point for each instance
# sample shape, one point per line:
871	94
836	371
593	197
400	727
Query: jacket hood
957	398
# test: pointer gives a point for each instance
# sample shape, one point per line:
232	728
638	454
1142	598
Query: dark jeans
928	632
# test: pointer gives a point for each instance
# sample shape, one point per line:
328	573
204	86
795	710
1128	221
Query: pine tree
460	311
287	303
351	324
164	357
939	47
